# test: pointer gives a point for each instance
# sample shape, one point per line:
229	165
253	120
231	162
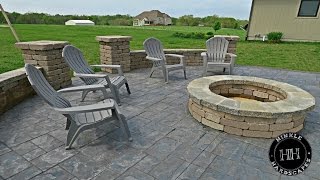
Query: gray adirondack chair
155	53
80	118
216	55
76	61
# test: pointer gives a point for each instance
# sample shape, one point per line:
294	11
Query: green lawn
294	56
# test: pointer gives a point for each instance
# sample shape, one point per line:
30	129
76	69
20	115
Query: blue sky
239	9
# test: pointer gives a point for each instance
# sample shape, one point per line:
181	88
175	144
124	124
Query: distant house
298	20
153	17
80	23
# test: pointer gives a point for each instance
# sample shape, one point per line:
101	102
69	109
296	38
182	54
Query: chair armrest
231	55
178	56
233	58
204	54
87	108
102	88
153	58
175	55
118	67
82	88
86	88
91	75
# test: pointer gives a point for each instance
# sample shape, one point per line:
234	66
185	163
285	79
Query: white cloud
232	8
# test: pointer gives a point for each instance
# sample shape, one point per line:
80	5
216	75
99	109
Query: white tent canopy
79	22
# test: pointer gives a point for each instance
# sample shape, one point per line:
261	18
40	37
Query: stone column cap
233	38
113	38
41	45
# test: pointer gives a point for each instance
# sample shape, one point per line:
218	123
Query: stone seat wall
14	88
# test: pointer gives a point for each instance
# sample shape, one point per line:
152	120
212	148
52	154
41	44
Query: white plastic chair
155	53
76	61
80	118
216	55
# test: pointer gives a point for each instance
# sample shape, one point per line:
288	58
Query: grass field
294	56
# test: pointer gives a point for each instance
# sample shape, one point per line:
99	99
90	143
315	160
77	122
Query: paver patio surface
167	142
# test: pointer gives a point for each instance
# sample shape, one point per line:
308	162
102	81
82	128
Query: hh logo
289	154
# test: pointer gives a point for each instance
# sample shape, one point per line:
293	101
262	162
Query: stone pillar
232	43
48	55
115	50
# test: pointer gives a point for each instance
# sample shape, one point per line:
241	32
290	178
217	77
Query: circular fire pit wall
249	106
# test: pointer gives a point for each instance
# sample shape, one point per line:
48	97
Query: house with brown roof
154	17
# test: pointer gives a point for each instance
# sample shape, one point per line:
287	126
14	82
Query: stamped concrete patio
167	142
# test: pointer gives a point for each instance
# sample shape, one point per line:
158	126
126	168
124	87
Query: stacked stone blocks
48	56
248	92
249	106
14	88
245	126
115	50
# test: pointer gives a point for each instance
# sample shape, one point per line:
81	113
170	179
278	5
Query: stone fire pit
249	106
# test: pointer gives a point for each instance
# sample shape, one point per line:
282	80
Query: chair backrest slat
154	48
76	61
44	89
217	49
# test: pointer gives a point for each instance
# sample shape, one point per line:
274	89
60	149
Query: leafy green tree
217	26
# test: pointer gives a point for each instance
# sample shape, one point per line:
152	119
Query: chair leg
68	124
84	94
205	69
73	133
152	70
128	89
184	72
231	70
115	94
167	77
125	128
165	74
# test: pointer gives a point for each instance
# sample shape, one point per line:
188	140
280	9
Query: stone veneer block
297	129
115	50
232	130
197	110
48	55
41	45
260	94
259	134
212	117
236	124
235	91
258	120
212	124
298	122
234	117
278	133
259	127
196	116
248	92
283	120
279	127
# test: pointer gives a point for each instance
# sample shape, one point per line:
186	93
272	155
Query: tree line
120	20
